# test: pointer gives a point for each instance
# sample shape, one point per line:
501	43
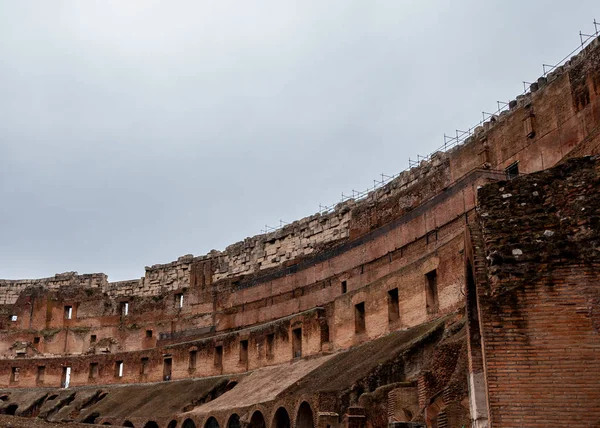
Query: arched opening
188	423
3	397
211	423
257	420
128	424
106	423
172	424
151	424
234	421
305	417
91	418
11	409
281	419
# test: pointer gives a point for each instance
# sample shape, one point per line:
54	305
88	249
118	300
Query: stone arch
151	424
11	409
128	424
234	421
172	424
305	416
91	418
211	423
257	420
281	419
188	423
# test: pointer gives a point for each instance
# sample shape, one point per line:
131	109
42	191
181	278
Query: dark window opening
144	366
270	346
431	292
12	409
41	373
359	317
93	371
244	351
297	342
167	368
179	300
393	305
344	287
148	334
512	170
193	358
529	126
14	374
93	338
36	340
218	356
324	331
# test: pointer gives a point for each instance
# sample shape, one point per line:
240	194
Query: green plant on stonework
79	330
50	333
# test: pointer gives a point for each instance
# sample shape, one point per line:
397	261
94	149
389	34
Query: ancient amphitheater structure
462	293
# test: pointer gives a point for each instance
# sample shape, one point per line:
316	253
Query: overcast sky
133	132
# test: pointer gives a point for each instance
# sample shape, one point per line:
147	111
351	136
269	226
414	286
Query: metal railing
451	141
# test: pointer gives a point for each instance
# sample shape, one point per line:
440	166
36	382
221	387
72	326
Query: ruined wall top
310	235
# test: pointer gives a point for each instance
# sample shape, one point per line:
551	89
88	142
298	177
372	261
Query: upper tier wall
560	114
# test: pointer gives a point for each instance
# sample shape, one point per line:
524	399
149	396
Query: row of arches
281	419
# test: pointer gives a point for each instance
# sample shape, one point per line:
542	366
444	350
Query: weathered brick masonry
540	308
356	317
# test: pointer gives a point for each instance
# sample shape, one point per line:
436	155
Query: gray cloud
134	132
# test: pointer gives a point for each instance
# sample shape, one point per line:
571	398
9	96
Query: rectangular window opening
41	373
66	377
179	300
344	287
148	334
297	342
144	365
124	309
512	170
218	356
68	312
36	340
167	368
359	317
244	351
14	374
431	291
393	305
119	369
93	371
270	346
93	338
193	359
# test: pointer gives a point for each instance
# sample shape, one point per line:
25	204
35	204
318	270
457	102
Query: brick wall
540	308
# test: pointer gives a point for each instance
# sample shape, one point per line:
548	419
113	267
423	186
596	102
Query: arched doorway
281	419
151	424
305	418
234	421
11	409
172	424
257	420
128	424
188	423
211	423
